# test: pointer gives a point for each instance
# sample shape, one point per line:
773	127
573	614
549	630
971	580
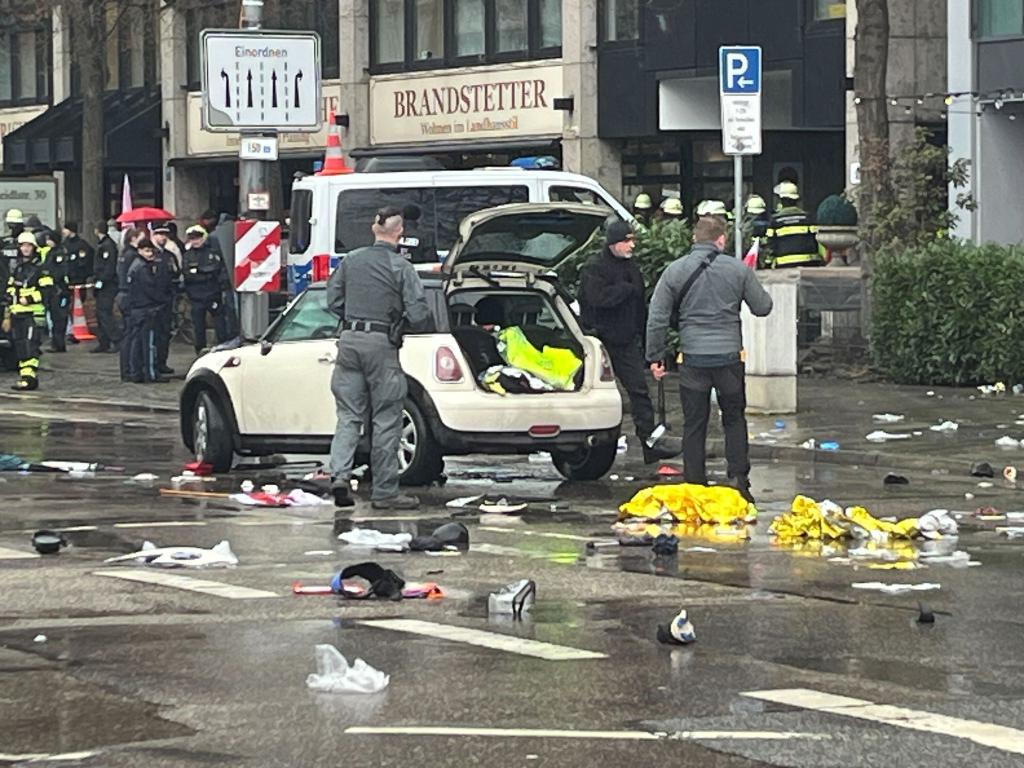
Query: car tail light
446	366
321	268
607	372
545	430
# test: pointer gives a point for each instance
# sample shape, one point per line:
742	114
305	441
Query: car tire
211	436
591	463
419	456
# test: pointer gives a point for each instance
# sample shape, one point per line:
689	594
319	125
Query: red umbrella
144	214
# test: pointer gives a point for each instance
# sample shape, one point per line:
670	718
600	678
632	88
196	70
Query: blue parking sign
739	69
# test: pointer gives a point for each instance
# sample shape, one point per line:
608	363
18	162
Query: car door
287	391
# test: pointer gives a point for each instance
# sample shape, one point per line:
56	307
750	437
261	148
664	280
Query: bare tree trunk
89	25
870	69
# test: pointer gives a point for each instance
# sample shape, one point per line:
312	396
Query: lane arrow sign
227	88
249	78
298	77
273	89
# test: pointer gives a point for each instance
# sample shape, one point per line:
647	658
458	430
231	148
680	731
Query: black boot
343	497
742	484
665	448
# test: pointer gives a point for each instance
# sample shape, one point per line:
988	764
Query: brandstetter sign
485	103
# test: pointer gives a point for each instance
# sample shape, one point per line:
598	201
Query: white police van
331	215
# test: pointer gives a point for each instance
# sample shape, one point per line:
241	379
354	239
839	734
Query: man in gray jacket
372	290
705	289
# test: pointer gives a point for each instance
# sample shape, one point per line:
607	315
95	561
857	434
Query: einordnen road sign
261	80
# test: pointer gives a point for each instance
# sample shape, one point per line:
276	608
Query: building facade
986	114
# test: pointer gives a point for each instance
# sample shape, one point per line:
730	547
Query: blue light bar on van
536	163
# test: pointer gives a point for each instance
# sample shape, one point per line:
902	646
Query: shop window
1000	18
6	70
511	19
829	9
470	26
390	37
620	20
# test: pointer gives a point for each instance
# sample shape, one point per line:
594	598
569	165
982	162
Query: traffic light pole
253	190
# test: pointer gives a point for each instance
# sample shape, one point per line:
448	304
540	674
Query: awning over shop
531	144
53	140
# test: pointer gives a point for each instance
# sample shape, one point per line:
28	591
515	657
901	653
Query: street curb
797	454
125	406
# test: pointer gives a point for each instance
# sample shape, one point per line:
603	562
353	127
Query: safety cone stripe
334	159
79	328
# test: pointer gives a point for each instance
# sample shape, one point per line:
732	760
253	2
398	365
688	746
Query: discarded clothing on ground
11	463
509	380
553	365
335	675
219	556
827	520
514	598
372	539
688	503
450	537
677	632
294	498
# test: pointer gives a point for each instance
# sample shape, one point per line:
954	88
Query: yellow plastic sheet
808	519
690	504
554	365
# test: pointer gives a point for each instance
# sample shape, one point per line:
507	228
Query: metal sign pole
253	186
737	206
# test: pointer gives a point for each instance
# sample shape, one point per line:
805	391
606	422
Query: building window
1000	18
620	20
407	33
550	23
390	38
429	29
470	26
829	9
511	25
24	67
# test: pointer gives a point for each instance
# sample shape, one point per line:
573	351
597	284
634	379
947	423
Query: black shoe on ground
742	484
400	502
98	350
665	448
73	340
25	384
165	370
343	497
52	348
159	380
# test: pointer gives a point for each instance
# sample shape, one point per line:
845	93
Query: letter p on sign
740	70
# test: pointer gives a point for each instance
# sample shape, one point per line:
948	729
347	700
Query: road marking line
215	588
532	733
524	647
542	534
16	554
163	524
987	734
74	528
44	758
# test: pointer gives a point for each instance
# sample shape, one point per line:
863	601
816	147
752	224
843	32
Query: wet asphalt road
136	674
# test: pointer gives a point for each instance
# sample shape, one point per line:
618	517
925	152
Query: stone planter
837	238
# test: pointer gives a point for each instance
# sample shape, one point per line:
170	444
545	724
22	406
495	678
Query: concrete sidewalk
831	410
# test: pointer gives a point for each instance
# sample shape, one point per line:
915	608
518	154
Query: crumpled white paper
335	675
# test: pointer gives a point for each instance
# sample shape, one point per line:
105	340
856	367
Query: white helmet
787	190
756	205
711	208
14	216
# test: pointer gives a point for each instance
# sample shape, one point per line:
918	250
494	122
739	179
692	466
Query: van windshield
440	210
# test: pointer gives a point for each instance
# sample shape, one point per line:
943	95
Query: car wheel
419	456
211	436
590	463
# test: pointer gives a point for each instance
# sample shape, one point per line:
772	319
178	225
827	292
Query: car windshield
306	319
540	237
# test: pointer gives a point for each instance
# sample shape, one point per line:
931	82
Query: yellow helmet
787	190
643	202
712	208
14	216
756	204
672	206
27	237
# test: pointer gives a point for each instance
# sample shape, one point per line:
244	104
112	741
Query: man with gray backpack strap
702	293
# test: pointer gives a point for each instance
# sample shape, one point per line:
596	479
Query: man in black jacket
106	287
614	308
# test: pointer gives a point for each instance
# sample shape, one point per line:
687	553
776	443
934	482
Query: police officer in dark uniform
374	290
145	299
58	296
80	255
105	289
170	282
25	288
205	278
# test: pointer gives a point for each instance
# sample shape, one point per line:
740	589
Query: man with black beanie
612	300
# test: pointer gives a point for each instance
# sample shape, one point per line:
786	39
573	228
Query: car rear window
440	211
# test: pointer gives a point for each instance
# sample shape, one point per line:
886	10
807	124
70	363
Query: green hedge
949	313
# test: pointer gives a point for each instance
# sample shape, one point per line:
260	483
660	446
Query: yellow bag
553	365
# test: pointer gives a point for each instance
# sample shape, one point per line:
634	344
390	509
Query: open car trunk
479	316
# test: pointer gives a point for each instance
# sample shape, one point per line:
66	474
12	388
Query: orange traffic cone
334	160
79	328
